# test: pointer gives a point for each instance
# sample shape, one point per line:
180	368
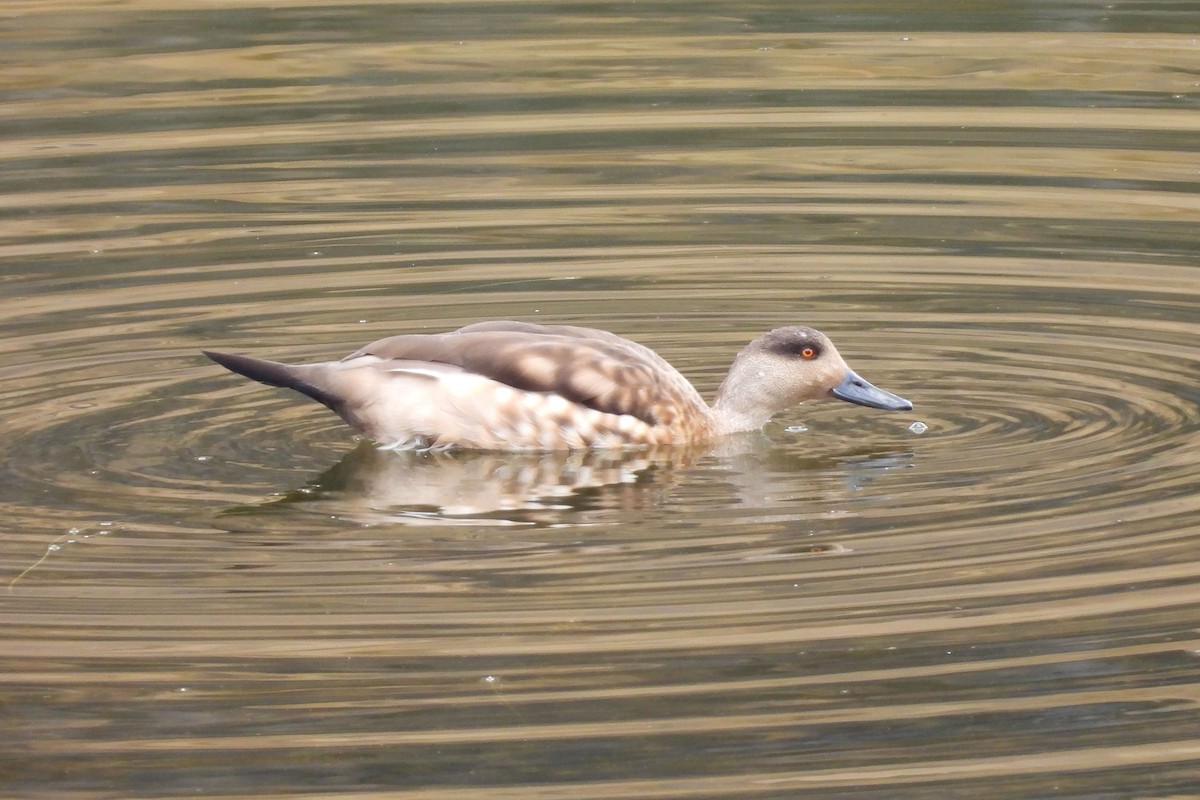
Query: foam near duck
520	386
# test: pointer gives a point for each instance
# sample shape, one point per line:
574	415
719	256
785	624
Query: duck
521	386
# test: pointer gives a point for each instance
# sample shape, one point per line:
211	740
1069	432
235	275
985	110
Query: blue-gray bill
855	389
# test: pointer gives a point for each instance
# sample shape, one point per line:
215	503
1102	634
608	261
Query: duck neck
740	406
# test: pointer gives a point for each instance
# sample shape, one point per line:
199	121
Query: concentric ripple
214	590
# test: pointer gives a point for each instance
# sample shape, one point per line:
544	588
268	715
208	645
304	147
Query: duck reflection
373	485
458	487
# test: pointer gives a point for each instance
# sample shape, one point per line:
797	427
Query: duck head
787	366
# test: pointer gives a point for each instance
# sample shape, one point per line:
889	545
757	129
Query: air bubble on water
918	427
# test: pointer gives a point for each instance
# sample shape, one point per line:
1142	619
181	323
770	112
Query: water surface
214	590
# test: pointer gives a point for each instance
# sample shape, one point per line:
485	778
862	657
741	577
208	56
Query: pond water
213	590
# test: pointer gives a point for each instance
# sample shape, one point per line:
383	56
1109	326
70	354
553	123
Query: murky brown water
213	591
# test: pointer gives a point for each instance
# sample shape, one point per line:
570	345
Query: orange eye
808	352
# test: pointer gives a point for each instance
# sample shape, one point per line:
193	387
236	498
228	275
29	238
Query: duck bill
855	389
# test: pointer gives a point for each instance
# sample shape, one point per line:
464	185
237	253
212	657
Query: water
212	590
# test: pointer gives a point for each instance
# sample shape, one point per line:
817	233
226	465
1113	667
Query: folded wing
595	369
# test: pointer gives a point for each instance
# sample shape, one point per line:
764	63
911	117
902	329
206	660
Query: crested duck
521	386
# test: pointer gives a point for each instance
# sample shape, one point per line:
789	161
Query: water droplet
918	427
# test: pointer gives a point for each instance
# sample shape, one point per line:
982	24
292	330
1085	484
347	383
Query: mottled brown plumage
518	386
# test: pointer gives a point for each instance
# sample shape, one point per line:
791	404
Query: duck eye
808	352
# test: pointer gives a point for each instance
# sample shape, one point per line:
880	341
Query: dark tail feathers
273	373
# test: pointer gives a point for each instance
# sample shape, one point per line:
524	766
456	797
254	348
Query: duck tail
298	377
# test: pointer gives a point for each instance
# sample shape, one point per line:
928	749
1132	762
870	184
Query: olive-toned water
211	589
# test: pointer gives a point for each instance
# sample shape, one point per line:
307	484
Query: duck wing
593	368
